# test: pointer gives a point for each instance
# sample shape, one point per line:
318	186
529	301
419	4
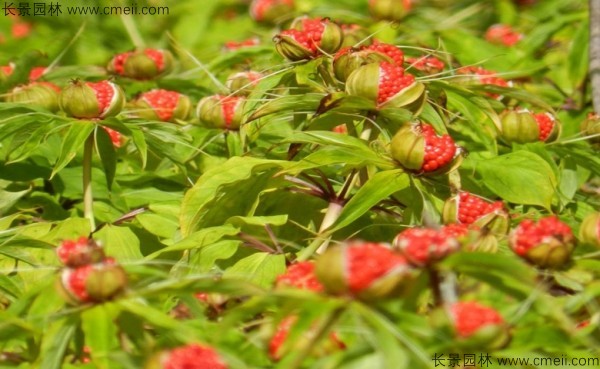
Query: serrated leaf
520	177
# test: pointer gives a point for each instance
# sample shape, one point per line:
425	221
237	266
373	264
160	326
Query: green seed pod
519	126
393	10
142	64
105	282
591	127
242	83
224	112
355	34
271	11
41	94
408	148
348	60
589	232
309	38
92	100
161	105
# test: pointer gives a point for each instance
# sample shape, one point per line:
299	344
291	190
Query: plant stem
434	283
88	197
595	52
333	213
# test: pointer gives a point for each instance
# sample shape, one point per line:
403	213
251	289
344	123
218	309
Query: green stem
333	213
88	197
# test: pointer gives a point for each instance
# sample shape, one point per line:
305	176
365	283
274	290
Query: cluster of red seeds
119	62
229	104
429	64
70	250
421	246
486	77
76	281
439	150
392	51
471	207
193	356
471	316
163	102
545	123
115	136
455	230
367	262
530	234
392	80
502	34
105	92
234	45
310	34
300	275
157	56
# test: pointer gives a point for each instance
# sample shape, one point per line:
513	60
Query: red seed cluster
76	280
367	262
545	123
486	77
422	246
310	35
392	80
471	207
119	62
71	249
36	73
163	102
390	50
470	316
115	136
105	92
229	105
429	64
439	150
280	336
455	230
530	234
193	356
7	69
502	34
300	275
234	45
158	57
259	8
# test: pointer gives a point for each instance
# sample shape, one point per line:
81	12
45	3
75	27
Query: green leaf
578	59
520	177
379	187
211	184
108	157
120	243
72	142
203	260
306	102
55	343
98	325
203	237
274	220
8	199
260	268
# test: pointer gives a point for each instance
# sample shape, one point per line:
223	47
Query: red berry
423	246
367	262
193	356
300	275
545	122
439	150
163	102
530	234
502	34
471	207
392	81
455	230
392	51
469	317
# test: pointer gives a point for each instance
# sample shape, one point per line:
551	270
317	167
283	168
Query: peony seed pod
40	94
191	356
469	209
93	282
589	232
591	127
242	83
92	100
309	38
271	11
219	111
83	251
393	10
547	243
478	326
355	35
162	105
425	246
367	271
141	64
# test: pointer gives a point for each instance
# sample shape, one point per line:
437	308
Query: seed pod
418	148
83	251
589	232
192	355
425	246
41	94
355	34
6	71
92	100
242	83
348	60
388	86
309	38
367	271
426	64
591	127
219	111
141	64
519	126
163	105
466	208
547	243
393	10
478	326
271	11
93	282
502	34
